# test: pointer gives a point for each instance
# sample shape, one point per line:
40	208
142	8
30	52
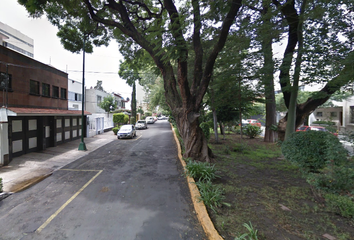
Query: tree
168	34
313	37
99	85
108	104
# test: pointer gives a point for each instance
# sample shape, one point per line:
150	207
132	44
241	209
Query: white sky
48	50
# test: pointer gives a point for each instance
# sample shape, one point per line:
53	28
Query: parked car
141	124
126	131
313	128
254	122
150	120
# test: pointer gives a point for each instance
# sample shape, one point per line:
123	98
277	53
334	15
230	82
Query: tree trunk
268	77
195	143
133	105
215	121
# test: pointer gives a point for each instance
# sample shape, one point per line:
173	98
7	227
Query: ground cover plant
265	190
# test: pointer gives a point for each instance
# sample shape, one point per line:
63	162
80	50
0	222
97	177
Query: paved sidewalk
31	168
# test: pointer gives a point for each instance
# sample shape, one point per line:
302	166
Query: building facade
15	40
34	112
74	95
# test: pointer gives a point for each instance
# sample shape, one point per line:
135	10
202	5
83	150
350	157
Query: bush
115	130
342	205
251	131
200	171
206	130
119	118
312	150
333	179
210	194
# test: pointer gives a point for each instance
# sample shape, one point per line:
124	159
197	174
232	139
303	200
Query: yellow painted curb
199	206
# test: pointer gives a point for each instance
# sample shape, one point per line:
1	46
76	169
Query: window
319	114
3	81
351	111
34	87
55	92
45	90
333	114
63	93
74	96
99	100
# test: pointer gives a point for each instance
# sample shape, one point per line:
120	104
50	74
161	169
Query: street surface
127	189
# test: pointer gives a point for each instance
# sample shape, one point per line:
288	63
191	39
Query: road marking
67	202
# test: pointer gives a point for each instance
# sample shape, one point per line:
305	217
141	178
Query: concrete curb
199	206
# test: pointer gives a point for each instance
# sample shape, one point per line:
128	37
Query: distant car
314	128
126	131
254	122
141	124
150	120
162	118
244	122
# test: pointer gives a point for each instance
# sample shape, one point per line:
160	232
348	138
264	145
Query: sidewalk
28	169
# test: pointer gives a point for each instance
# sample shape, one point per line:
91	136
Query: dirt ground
266	190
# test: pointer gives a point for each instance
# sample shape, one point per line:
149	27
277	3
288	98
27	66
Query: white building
15	40
74	95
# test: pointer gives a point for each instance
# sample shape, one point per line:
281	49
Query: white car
126	131
150	120
141	124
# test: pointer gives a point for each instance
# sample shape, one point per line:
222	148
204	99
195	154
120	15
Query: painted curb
199	206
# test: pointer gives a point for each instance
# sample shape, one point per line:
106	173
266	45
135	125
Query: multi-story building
15	40
74	95
34	100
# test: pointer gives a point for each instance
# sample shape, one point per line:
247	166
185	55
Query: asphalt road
127	189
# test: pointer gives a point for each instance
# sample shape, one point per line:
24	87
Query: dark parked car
126	131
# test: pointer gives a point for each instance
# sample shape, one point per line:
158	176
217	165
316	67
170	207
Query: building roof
15	111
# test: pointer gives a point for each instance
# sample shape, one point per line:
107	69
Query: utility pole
82	145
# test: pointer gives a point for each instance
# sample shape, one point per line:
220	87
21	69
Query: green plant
240	148
342	205
118	118
200	171
211	195
251	235
251	131
115	130
0	185
333	179
312	150
206	129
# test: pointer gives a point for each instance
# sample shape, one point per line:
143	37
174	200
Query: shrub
126	119
115	130
251	131
200	171
210	194
312	150
119	118
333	179
206	129
251	235
342	205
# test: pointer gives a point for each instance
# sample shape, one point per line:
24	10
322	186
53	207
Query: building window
333	114
351	110
34	87
45	90
4	80
74	96
99	100
63	93
55	92
319	114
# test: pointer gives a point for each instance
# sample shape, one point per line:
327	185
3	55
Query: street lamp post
82	145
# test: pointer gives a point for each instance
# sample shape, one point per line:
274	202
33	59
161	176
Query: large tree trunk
195	143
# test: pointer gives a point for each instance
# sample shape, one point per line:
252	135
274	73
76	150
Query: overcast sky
103	64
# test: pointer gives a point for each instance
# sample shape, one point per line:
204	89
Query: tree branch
228	21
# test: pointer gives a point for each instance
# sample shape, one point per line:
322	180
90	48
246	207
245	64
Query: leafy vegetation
200	171
250	235
252	131
115	130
